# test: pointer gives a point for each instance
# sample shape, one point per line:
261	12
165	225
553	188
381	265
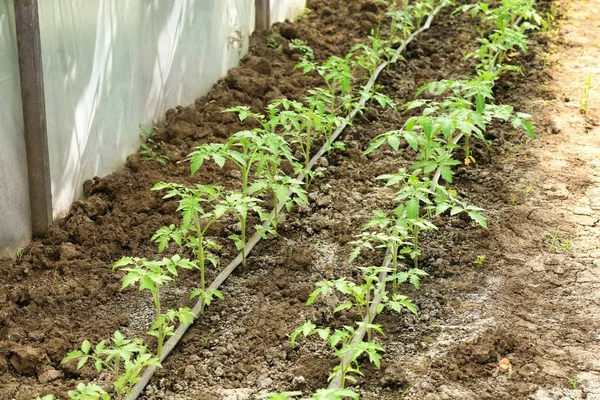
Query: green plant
285	192
508	35
125	360
341	343
303	14
273	149
480	259
401	27
334	394
10	335
88	392
272	41
303	47
151	276
419	199
464	112
254	153
302	126
557	242
19	254
150	148
520	195
391	233
585	94
242	206
200	207
572	382
360	299
336	72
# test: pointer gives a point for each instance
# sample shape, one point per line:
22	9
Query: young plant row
464	112
267	158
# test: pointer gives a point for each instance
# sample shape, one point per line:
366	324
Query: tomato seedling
125	360
151	276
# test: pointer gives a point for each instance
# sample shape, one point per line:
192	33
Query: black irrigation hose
180	331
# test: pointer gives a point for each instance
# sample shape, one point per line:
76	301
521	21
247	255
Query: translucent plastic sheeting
110	65
286	9
14	191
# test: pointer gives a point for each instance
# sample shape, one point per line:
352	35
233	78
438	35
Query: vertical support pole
263	15
27	23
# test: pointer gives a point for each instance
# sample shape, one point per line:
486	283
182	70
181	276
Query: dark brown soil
63	290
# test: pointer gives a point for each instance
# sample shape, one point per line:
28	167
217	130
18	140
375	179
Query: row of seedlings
434	135
287	128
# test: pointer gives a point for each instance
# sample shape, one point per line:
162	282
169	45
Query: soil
531	305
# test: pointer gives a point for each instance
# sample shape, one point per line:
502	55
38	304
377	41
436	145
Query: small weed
559	243
585	94
303	14
273	43
480	259
150	148
520	195
572	382
19	254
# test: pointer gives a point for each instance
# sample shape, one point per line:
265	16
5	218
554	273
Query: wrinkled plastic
109	66
14	190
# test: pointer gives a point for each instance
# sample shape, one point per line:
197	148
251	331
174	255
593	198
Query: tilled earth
470	315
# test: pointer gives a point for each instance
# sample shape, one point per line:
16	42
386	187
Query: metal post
34	114
263	15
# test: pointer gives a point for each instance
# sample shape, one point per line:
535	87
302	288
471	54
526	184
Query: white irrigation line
256	238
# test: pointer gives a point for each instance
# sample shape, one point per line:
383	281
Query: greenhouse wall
109	67
14	190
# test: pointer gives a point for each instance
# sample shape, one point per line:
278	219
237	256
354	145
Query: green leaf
219	160
394	142
412	208
478	217
412	140
85	347
344	306
82	362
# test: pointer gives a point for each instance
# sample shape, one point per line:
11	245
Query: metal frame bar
263	15
27	23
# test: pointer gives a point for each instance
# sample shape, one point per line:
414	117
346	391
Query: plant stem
245	173
116	374
343	373
416	246
394	267
201	262
156	296
368	310
243	233
275	211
